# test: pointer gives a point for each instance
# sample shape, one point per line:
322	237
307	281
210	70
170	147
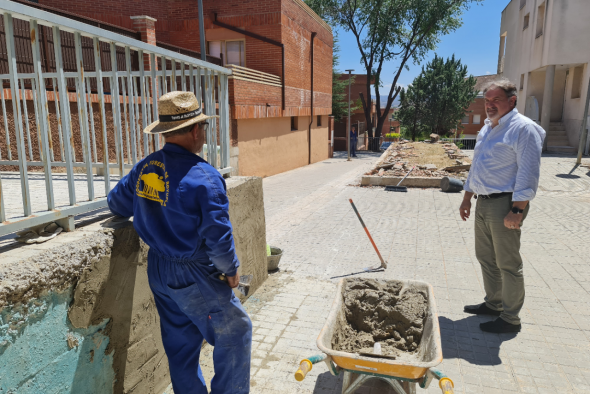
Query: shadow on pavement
463	339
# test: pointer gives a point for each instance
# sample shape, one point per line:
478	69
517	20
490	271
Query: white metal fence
111	85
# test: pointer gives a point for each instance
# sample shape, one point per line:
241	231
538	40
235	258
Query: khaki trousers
498	250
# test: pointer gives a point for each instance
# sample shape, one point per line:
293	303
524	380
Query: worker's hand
465	209
233	281
512	221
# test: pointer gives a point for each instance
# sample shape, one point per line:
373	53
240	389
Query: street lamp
349	126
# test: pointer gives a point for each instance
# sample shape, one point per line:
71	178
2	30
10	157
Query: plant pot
274	258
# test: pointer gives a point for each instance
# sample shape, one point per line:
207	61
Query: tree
437	99
340	88
412	109
391	30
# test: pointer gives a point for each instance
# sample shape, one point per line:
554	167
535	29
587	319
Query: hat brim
158	127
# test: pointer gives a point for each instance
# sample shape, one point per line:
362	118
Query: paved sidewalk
422	237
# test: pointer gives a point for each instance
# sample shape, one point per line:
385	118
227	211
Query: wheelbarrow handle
446	385
304	368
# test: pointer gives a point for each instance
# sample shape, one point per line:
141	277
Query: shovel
243	285
399	188
383	262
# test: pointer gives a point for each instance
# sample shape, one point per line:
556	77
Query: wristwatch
516	210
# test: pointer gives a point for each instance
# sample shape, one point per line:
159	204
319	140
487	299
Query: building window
526	21
319	121
521	81
476	119
232	52
577	82
522	4
540	20
465	119
293	123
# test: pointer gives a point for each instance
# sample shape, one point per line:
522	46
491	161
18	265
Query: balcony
254	94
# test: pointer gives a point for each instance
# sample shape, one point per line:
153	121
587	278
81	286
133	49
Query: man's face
497	104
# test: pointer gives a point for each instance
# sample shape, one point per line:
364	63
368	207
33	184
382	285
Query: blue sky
476	43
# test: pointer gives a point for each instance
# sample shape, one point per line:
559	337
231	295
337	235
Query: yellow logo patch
152	182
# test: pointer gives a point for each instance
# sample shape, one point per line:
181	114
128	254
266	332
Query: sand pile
378	311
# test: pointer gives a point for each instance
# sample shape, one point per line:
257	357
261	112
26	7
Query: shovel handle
383	263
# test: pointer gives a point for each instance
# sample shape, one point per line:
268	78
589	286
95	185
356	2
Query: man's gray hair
508	87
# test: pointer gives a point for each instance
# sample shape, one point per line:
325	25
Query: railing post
65	118
103	121
43	120
130	98
117	110
155	95
83	114
20	140
144	98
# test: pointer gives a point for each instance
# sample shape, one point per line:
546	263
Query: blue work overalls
180	210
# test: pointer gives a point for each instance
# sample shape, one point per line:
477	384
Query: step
557	128
555	124
562	149
558	140
561	133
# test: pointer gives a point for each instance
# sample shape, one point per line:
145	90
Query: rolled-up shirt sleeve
215	228
528	160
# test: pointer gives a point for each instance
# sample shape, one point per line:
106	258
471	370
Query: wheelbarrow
416	370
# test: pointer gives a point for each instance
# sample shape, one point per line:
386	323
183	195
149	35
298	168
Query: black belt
494	195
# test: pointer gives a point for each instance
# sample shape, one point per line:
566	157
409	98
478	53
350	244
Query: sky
476	43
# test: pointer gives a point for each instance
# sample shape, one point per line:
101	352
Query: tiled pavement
422	237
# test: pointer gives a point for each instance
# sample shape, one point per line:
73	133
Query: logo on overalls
153	185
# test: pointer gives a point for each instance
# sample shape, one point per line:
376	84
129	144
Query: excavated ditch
384	312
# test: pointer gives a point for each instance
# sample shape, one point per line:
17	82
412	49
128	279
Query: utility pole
202	32
349	125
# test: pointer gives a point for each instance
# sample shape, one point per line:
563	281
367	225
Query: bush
392	135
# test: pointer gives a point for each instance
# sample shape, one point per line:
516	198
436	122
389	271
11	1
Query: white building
545	51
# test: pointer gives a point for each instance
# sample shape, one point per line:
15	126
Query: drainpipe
202	32
313	34
583	131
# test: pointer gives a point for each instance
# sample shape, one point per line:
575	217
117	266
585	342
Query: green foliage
340	89
437	99
397	31
392	135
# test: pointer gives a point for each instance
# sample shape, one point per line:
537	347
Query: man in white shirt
504	176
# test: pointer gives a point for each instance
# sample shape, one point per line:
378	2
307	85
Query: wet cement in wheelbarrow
384	312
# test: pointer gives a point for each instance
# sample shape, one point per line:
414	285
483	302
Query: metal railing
63	131
251	75
462	143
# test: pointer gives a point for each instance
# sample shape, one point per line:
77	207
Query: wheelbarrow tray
412	366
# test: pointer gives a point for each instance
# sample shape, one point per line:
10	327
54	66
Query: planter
274	258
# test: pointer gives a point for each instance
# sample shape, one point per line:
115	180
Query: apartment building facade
280	52
545	51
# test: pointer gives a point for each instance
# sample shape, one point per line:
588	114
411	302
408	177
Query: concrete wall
269	146
77	314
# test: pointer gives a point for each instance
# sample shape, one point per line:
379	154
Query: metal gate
77	112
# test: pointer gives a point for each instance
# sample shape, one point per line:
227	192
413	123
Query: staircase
557	141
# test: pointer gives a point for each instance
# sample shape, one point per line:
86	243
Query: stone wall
77	315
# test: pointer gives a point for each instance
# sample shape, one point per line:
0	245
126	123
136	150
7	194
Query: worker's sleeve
215	227
120	199
528	159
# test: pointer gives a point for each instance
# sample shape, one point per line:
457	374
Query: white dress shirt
507	158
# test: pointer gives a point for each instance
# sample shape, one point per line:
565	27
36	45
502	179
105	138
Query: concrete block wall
77	314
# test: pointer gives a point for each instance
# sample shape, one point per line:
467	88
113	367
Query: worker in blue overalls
180	209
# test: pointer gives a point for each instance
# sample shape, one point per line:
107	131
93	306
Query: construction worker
180	209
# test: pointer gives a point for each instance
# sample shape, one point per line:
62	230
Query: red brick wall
478	107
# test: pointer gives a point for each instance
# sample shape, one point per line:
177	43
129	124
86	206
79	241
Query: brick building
472	122
356	117
275	126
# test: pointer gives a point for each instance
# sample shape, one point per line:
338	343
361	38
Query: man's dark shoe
480	309
499	326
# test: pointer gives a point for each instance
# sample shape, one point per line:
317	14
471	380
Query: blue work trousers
194	304
353	147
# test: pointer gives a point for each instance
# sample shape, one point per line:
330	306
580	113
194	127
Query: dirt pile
379	311
429	160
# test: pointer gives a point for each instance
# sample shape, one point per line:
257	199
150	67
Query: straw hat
177	110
